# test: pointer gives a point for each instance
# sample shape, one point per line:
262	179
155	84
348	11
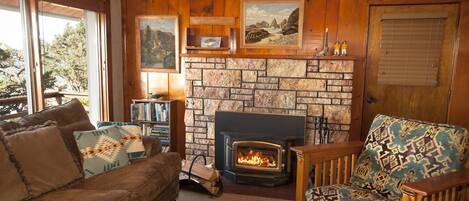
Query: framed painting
157	43
272	24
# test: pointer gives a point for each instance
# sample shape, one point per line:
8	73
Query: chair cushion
43	158
398	151
102	150
341	192
86	195
145	179
11	183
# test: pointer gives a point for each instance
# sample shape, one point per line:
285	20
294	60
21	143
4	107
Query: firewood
200	171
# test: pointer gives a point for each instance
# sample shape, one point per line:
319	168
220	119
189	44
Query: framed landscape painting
157	43
272	24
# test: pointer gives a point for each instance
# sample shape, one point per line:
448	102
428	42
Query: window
68	51
411	49
13	80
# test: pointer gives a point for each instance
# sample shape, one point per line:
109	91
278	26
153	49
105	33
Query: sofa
153	178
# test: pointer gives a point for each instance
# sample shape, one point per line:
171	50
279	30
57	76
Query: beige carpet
185	195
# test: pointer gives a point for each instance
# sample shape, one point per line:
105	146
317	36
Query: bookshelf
158	118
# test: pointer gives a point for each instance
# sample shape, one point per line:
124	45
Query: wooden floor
246	192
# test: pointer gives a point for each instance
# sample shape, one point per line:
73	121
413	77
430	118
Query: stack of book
160	132
157	112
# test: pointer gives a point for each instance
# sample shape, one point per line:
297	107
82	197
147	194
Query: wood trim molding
268	56
93	5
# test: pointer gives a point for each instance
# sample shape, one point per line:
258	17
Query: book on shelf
156	112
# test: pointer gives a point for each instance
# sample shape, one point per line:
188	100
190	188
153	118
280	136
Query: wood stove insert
255	148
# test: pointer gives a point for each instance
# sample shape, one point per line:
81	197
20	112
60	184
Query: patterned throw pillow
102	150
132	138
399	151
114	123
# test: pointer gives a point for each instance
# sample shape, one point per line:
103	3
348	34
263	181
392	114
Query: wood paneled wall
346	20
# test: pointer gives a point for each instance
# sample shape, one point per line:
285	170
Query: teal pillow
102	150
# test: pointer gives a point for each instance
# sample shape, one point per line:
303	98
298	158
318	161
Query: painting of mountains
272	24
158	43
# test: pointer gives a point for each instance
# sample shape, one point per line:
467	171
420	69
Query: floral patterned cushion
399	151
341	192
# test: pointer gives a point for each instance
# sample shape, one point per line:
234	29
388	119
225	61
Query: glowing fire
253	158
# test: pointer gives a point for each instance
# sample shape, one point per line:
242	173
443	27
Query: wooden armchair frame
334	164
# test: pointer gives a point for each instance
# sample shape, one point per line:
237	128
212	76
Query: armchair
400	160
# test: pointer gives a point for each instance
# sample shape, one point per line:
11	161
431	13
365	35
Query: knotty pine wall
346	20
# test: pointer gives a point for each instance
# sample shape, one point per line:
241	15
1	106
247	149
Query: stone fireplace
307	87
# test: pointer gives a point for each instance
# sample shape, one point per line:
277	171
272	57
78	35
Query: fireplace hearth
255	148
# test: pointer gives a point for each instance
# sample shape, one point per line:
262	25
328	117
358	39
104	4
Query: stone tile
197	83
347	89
245	64
334	95
315	110
266	86
335	101
220	66
338	114
313	69
346	101
242	91
297	112
348	76
249	76
313	62
325	75
307	94
211	150
275	99
200	123
302	84
202	65
267	80
286	68
200	135
189	137
301	106
241	97
216	60
265	110
198	112
193	74
339	137
189	118
195	59
249	85
248	104
188	91
340	82
336	66
261	73
314	100
211	106
193	103
334	88
212	92
222	78
210	130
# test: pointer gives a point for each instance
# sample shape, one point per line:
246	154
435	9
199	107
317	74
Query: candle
326	38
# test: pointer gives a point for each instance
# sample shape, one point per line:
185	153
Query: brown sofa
154	178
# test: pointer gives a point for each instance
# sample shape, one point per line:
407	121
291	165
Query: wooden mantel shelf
269	56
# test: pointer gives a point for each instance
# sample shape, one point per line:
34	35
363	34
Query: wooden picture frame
150	58
275	35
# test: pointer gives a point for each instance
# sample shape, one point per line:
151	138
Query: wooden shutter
411	49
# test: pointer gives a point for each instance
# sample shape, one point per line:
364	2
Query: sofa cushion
43	158
102	150
67	136
9	125
12	187
70	112
341	192
145	179
86	195
398	151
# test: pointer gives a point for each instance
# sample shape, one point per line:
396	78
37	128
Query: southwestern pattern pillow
102	150
132	138
399	151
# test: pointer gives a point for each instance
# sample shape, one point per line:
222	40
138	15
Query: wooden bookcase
170	124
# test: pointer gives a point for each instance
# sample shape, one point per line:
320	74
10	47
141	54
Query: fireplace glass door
257	155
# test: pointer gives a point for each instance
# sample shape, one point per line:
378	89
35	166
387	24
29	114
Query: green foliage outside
64	62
